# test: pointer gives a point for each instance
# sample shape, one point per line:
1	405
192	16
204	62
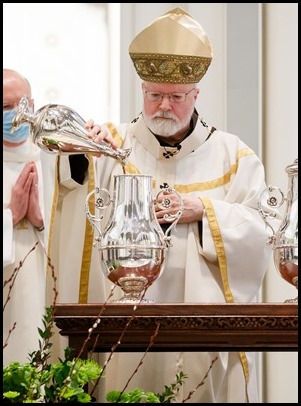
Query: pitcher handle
173	218
101	203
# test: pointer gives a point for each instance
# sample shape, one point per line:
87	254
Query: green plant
37	381
140	396
66	381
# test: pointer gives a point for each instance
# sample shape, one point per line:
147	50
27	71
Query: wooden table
180	327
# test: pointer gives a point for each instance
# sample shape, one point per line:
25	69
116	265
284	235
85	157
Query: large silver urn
285	239
132	246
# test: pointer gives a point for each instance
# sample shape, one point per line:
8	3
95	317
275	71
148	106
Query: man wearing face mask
54	215
23	227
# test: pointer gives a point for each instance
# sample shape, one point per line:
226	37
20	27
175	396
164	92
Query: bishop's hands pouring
98	133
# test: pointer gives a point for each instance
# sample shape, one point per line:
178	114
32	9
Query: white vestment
26	303
229	265
69	236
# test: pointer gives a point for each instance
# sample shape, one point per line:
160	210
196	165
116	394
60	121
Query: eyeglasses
177	97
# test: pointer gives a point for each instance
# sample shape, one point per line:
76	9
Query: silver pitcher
59	129
132	246
285	240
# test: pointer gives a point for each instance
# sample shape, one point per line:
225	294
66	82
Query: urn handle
273	197
166	203
102	202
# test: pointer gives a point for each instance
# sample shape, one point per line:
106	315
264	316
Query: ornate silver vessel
132	246
285	240
59	129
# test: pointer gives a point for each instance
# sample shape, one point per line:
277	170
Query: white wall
63	49
281	141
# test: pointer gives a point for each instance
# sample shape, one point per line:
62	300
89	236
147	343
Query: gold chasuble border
219	246
128	168
222	260
216	183
115	134
88	242
53	207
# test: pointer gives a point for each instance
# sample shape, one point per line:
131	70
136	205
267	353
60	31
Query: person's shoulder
229	137
233	145
136	119
134	123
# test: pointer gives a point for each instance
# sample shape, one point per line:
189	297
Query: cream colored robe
27	297
229	266
69	237
69	234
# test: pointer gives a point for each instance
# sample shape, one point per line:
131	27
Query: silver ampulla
285	239
59	129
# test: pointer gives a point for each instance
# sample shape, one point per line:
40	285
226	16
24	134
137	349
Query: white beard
165	124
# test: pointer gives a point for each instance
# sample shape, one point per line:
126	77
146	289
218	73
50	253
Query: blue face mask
21	134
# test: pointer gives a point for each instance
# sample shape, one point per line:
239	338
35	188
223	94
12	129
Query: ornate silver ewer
132	246
59	129
285	240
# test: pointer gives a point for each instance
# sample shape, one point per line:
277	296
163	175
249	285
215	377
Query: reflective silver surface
133	246
285	240
59	129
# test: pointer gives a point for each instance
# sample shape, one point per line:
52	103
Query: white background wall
280	149
65	51
71	55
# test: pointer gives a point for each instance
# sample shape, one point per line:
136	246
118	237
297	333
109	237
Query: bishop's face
168	107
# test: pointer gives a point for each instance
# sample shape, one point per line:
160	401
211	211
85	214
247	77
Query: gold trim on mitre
174	48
